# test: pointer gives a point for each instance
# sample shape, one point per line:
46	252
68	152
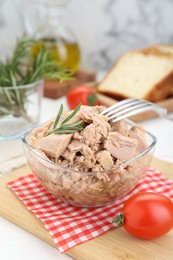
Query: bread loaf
144	74
162	50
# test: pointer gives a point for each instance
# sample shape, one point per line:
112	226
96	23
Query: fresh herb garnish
58	117
65	128
22	69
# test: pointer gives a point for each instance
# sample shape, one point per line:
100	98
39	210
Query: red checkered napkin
70	226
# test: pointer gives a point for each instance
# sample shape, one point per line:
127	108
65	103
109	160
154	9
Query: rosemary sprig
22	69
58	116
65	128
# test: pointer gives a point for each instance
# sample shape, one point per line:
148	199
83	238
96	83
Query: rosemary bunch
22	69
65	128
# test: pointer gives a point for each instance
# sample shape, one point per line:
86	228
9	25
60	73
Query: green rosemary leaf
64	131
19	72
12	78
78	124
3	111
72	114
8	96
58	116
19	99
61	75
67	128
41	66
41	58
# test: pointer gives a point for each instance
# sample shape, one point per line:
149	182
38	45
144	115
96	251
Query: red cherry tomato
147	215
81	94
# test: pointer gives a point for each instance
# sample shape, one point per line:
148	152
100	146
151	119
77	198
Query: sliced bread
141	74
163	50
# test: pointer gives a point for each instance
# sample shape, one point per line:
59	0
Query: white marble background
104	28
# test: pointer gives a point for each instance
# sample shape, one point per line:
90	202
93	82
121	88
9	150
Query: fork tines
129	107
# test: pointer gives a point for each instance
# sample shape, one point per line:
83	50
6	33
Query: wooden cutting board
114	245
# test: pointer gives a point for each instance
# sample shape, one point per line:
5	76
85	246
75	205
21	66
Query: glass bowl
89	189
20	108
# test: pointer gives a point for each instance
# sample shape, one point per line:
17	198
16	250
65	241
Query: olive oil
66	53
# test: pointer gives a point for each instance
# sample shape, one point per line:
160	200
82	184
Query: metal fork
132	106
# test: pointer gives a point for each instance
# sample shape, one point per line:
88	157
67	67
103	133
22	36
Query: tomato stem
92	99
119	219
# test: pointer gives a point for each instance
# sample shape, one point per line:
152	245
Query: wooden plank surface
113	245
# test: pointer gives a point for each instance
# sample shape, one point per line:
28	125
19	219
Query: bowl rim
152	145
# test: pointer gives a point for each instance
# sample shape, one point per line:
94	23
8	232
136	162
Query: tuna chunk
121	127
91	136
68	155
53	145
89	156
75	146
138	133
40	132
83	163
93	133
105	160
102	125
121	147
92	109
86	157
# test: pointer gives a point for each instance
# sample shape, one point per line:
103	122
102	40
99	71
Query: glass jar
46	20
20	108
